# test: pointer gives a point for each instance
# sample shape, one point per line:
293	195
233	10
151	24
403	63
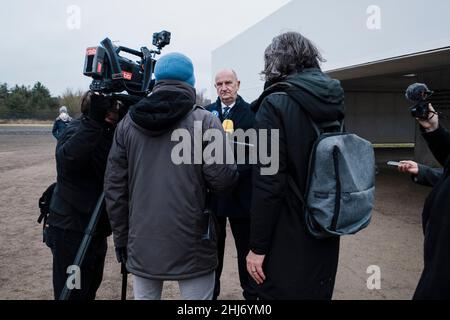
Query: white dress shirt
225	106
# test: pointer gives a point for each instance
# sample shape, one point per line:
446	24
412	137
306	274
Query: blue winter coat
59	126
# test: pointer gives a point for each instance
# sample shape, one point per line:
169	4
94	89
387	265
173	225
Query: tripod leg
85	243
124	281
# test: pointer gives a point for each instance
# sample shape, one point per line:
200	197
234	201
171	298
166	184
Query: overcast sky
46	40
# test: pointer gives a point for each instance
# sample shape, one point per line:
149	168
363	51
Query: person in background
61	122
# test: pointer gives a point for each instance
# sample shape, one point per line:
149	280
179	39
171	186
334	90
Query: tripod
84	246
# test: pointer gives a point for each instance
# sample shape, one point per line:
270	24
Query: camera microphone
418	92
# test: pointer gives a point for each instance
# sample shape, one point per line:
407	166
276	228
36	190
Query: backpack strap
44	205
333	126
319	128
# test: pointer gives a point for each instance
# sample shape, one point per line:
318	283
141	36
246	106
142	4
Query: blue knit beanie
175	66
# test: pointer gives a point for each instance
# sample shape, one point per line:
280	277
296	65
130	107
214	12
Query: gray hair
290	53
229	70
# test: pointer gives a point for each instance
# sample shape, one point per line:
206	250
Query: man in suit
236	205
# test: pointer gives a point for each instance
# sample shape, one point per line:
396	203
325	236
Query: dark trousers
64	245
240	227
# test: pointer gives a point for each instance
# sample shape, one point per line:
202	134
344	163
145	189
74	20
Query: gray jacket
156	208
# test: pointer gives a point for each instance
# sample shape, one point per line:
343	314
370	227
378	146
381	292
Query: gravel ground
393	241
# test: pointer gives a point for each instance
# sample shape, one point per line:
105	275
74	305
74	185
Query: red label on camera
91	51
99	67
127	75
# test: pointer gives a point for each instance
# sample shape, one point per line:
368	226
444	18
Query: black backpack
44	204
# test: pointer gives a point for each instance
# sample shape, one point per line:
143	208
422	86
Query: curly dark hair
85	102
290	53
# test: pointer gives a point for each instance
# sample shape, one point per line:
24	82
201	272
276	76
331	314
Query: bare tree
72	100
202	100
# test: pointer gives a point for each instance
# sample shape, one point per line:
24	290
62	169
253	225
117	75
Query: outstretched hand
410	167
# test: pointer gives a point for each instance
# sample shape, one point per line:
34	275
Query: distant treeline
36	102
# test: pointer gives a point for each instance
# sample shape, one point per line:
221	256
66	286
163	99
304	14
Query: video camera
114	74
419	94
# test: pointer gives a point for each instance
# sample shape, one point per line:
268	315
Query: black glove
122	255
99	107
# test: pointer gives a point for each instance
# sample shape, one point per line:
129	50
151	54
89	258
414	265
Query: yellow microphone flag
228	126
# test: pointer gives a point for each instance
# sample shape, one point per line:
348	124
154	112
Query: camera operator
81	156
435	280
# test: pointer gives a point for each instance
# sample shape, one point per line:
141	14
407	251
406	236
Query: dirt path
393	241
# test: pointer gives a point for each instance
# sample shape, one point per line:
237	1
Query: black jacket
297	266
237	203
428	176
81	156
58	127
435	280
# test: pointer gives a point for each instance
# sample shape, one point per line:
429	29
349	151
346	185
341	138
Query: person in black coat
236	205
81	156
285	261
434	283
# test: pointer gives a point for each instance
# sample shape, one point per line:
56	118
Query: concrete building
376	48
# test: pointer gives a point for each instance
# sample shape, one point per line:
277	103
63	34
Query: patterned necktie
225	112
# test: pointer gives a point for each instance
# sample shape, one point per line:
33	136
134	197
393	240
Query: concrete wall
371	114
378	111
340	29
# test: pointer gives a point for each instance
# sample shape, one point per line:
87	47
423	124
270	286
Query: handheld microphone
228	127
